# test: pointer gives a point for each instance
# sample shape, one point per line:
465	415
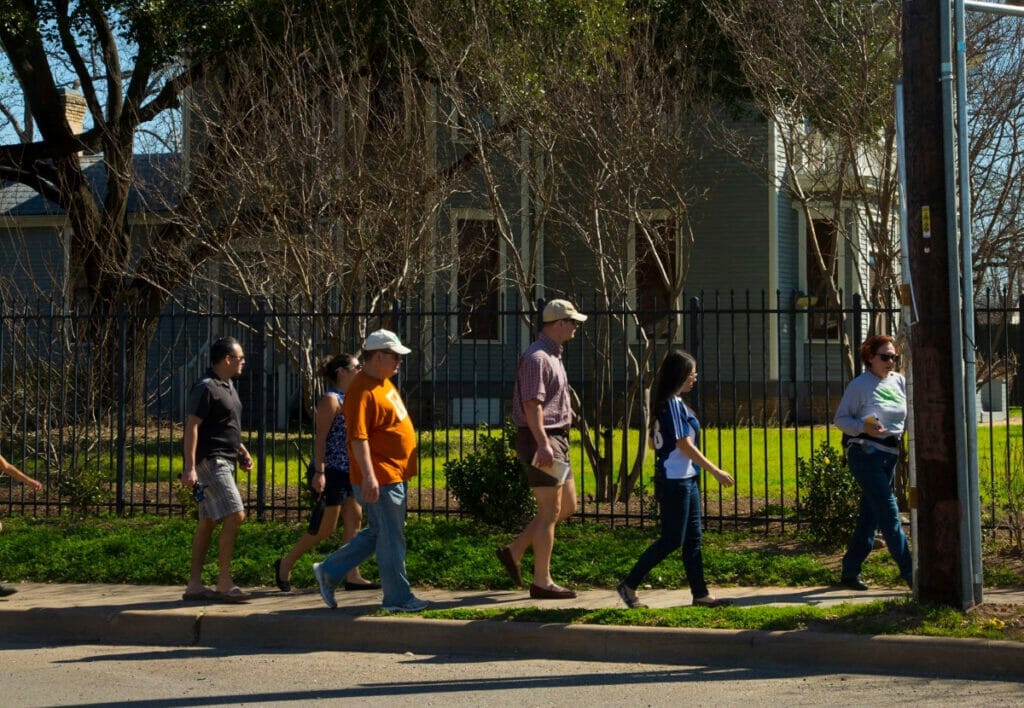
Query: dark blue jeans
874	471
680	526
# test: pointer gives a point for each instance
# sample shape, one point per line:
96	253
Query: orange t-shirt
374	411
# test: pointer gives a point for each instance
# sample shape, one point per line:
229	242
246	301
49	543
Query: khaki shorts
526	448
221	497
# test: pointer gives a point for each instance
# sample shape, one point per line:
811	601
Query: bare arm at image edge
12	471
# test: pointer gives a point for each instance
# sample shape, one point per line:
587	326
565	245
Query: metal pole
955	308
973	502
991	8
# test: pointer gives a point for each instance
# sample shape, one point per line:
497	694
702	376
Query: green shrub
829	498
488	481
84	486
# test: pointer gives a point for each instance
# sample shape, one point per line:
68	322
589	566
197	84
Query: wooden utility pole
938	505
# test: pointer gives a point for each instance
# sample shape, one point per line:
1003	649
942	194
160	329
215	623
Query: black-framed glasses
889	357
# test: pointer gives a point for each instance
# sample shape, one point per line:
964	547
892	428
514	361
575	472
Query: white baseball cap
385	339
562	310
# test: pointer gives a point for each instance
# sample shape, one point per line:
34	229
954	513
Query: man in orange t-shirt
382	454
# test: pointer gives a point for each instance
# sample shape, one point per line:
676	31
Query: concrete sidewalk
299	621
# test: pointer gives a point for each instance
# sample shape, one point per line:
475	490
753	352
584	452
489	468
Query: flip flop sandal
234	595
204	595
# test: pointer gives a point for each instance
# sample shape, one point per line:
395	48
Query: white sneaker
326	589
413	605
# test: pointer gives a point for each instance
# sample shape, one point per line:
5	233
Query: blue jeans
680	526
874	470
384	535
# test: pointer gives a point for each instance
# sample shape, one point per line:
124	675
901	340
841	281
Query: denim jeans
874	470
680	526
384	535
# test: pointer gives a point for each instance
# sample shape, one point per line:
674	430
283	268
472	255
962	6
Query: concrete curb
748	648
154	616
88	625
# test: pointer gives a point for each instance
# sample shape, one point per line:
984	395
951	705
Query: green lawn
763	461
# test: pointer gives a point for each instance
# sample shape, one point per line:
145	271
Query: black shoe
361	586
551	592
282	584
854	583
5	591
632	601
511	567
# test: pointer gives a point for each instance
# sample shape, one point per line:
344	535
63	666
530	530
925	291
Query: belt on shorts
232	460
550	431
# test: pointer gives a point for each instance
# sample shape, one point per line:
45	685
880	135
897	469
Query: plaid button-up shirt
541	375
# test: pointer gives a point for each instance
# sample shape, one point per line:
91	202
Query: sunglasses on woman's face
888	357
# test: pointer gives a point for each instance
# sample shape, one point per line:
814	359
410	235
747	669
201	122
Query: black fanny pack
891	441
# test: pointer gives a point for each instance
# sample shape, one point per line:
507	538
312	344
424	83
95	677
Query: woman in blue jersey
872	414
327	475
677	466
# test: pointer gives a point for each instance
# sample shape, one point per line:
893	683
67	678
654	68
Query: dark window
656	265
479	254
824	319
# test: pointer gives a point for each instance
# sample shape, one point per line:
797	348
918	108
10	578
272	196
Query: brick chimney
74	109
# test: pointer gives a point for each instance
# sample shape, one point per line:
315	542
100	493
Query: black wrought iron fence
99	420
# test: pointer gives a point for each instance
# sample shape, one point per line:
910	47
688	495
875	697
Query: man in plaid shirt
542	410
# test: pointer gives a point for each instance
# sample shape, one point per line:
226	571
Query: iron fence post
858	331
793	356
1020	354
262	377
122	321
695	307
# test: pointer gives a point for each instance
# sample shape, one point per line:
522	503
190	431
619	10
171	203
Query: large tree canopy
380	62
130	61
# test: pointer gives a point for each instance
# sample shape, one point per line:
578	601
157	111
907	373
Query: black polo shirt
216	402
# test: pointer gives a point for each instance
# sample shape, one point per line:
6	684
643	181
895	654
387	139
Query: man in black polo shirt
213	444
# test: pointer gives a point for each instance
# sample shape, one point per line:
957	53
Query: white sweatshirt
868	396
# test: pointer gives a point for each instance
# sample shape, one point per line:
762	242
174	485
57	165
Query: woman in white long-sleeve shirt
872	415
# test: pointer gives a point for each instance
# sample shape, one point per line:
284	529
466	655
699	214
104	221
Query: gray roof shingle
153	190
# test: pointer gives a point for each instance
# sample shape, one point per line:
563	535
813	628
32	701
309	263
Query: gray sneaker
414	604
326	589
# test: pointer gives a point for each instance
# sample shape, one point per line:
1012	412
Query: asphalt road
35	675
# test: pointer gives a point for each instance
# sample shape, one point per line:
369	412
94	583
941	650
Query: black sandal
282	585
632	601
